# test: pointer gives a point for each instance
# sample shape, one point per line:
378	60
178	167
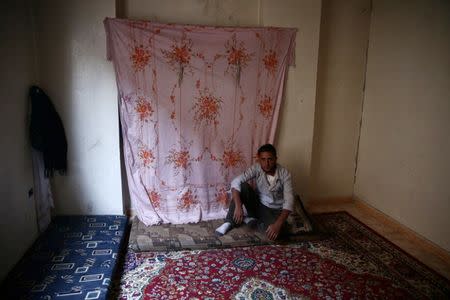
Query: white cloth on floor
222	229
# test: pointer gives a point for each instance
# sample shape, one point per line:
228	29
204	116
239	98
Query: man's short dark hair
268	148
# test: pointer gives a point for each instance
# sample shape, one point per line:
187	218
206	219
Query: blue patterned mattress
74	258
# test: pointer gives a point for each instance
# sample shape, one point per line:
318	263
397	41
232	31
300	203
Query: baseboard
404	230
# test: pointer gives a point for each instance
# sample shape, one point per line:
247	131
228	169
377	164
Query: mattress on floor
198	236
75	258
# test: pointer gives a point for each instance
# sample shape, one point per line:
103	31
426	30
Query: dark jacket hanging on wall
47	132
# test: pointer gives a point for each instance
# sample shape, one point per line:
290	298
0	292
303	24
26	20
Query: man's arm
236	192
288	195
274	229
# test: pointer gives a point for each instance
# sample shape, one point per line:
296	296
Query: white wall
296	127
18	227
344	36
295	134
205	12
74	72
404	162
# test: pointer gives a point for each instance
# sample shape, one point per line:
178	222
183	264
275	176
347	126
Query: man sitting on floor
270	204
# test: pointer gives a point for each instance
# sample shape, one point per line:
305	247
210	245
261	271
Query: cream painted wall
294	138
344	36
18	227
205	12
80	81
404	162
296	127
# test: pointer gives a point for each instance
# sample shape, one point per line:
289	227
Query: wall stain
94	145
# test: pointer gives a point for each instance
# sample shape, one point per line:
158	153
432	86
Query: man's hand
238	214
273	230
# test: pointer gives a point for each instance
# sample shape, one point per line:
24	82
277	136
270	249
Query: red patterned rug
353	263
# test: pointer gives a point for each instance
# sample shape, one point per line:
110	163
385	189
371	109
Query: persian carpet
354	262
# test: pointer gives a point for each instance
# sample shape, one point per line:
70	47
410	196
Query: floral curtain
195	104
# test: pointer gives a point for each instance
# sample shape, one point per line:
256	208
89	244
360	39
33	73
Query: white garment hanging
42	191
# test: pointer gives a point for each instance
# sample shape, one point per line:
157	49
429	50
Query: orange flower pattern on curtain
179	159
179	56
155	199
206	109
237	56
196	102
271	62
144	109
146	157
140	57
265	107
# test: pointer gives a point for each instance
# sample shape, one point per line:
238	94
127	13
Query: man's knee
247	193
245	187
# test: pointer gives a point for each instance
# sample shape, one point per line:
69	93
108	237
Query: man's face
268	162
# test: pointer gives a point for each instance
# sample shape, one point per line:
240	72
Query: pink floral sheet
196	102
